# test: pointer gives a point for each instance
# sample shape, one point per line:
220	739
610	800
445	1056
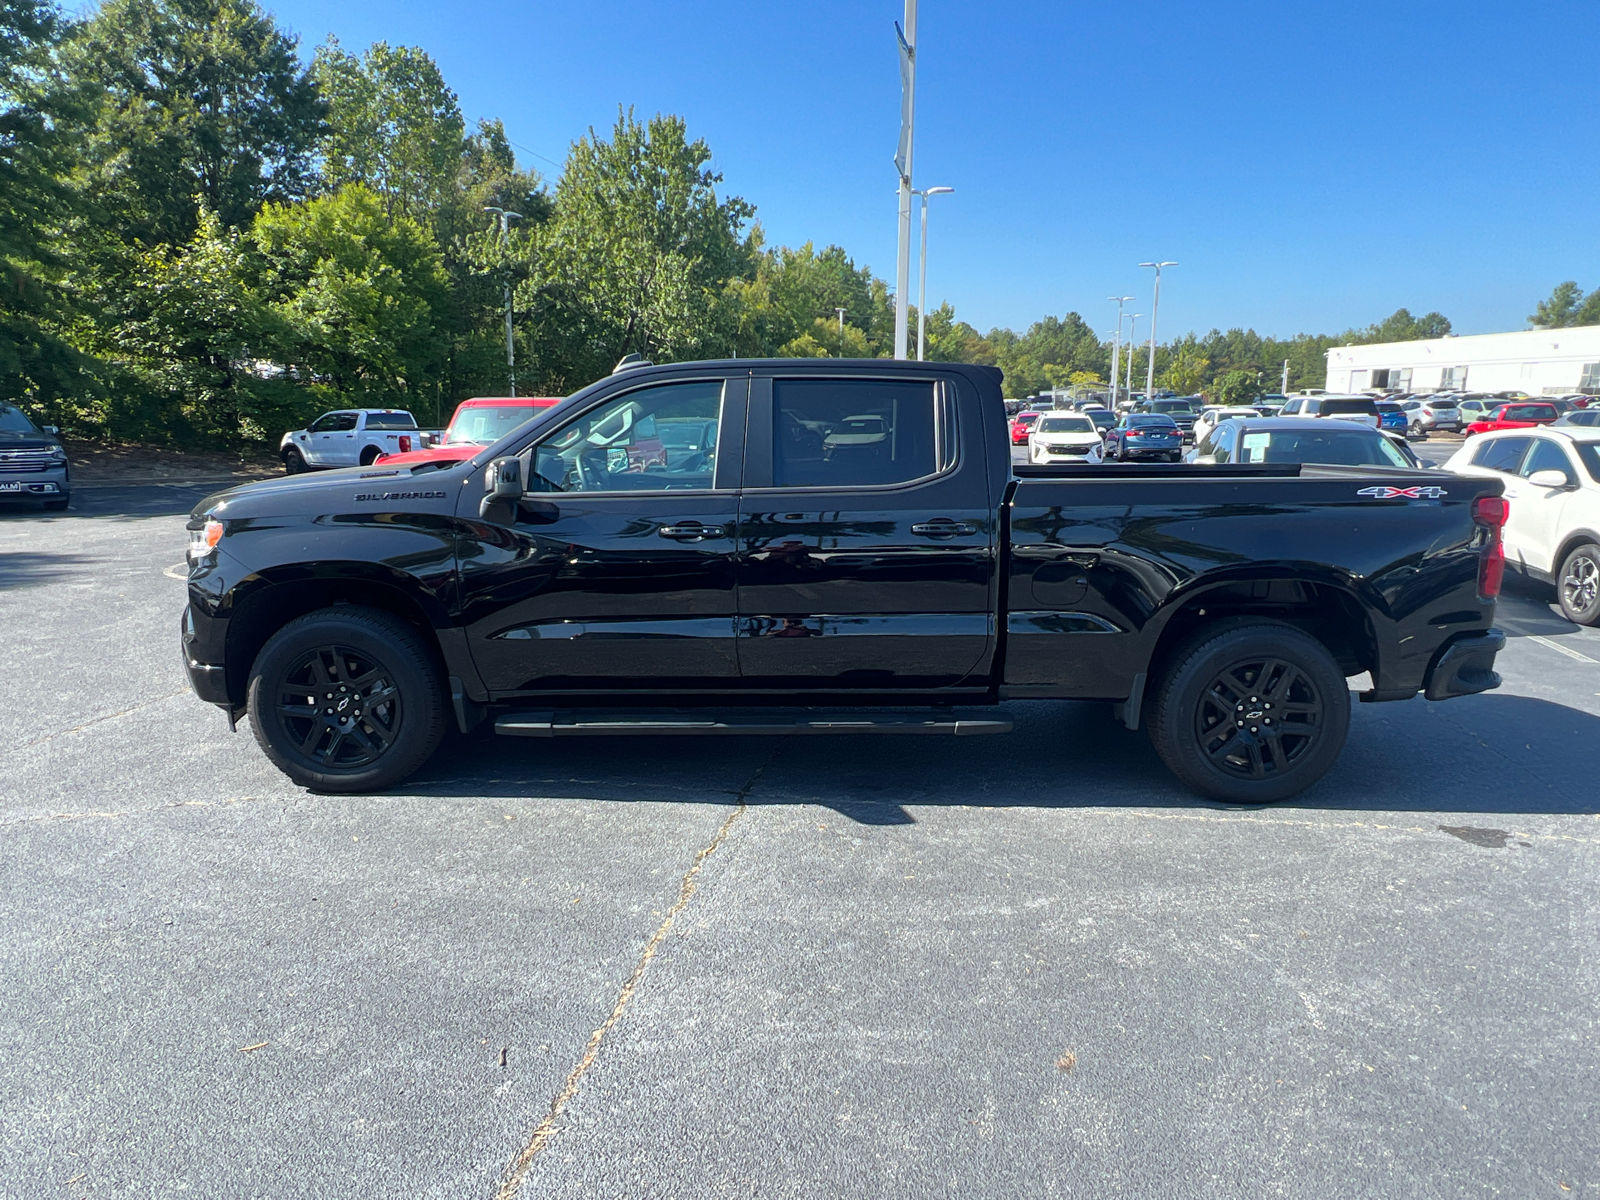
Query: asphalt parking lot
1023	965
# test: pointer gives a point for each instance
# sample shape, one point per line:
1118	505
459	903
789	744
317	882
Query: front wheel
59	503
1250	714
294	462
1580	585
346	699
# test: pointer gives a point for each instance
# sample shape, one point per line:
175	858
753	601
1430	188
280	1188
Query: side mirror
1549	479
52	430
502	484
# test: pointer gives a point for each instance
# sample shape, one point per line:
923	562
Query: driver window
650	440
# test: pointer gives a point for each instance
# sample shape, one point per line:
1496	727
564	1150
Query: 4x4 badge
1410	493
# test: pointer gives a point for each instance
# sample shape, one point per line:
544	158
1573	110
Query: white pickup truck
352	437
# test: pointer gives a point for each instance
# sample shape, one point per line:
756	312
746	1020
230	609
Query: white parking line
1556	646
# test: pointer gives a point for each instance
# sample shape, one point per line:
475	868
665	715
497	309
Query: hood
26	441
313	494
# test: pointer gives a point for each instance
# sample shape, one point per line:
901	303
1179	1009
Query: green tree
1561	309
393	125
199	104
364	294
637	256
1188	372
1239	387
38	366
190	334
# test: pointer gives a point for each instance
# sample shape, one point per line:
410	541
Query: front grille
14	462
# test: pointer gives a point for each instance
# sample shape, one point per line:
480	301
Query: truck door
867	536
333	439
615	573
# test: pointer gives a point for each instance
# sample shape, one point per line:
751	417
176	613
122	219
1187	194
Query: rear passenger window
1501	454
856	433
1548	456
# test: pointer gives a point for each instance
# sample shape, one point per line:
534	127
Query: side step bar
764	722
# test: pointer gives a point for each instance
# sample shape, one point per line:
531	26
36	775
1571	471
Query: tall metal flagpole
902	162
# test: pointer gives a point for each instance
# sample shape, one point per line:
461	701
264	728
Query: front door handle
692	531
943	527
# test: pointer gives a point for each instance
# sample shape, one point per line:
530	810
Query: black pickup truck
802	546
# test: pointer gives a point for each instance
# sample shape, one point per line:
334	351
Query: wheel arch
1330	610
1568	544
268	601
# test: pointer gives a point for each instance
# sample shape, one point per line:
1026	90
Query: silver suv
1435	414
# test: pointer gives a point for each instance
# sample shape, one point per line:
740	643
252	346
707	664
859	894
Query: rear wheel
1579	588
294	462
1252	713
370	456
346	700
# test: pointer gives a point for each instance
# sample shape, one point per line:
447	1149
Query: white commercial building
1540	362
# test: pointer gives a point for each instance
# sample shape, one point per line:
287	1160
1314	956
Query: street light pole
506	217
1283	388
841	312
1116	348
922	268
1127	383
1155	307
902	161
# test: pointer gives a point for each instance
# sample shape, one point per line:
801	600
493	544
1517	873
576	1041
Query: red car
1515	415
477	423
1020	425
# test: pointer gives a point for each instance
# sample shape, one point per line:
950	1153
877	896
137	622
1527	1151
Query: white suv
1552	530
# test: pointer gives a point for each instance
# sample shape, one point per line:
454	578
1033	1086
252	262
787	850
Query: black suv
33	463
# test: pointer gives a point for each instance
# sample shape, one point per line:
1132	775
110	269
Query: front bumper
35	484
209	680
1465	667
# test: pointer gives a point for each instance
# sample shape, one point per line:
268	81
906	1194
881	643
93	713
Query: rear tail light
405	443
1491	513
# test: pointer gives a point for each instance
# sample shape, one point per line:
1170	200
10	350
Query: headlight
204	540
57	454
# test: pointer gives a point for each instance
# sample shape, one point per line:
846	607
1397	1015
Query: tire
1579	585
1190	712
369	455
378	658
294	462
59	504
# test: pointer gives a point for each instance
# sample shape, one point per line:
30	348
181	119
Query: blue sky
1310	165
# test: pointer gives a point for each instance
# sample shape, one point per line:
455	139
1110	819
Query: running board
763	722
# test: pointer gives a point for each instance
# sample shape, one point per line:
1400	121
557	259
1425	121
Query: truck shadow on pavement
1482	754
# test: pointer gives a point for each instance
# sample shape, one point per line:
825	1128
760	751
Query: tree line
207	238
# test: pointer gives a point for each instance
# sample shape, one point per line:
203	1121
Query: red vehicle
1516	415
477	423
1021	424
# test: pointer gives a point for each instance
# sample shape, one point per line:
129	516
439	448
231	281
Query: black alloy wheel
1251	712
294	462
339	706
346	699
1580	585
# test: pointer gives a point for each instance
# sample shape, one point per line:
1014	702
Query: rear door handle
692	531
943	527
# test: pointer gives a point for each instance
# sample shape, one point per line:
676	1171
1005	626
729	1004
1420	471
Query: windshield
1027	418
12	420
1146	421
483	425
1065	425
1348	447
1170	406
391	420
